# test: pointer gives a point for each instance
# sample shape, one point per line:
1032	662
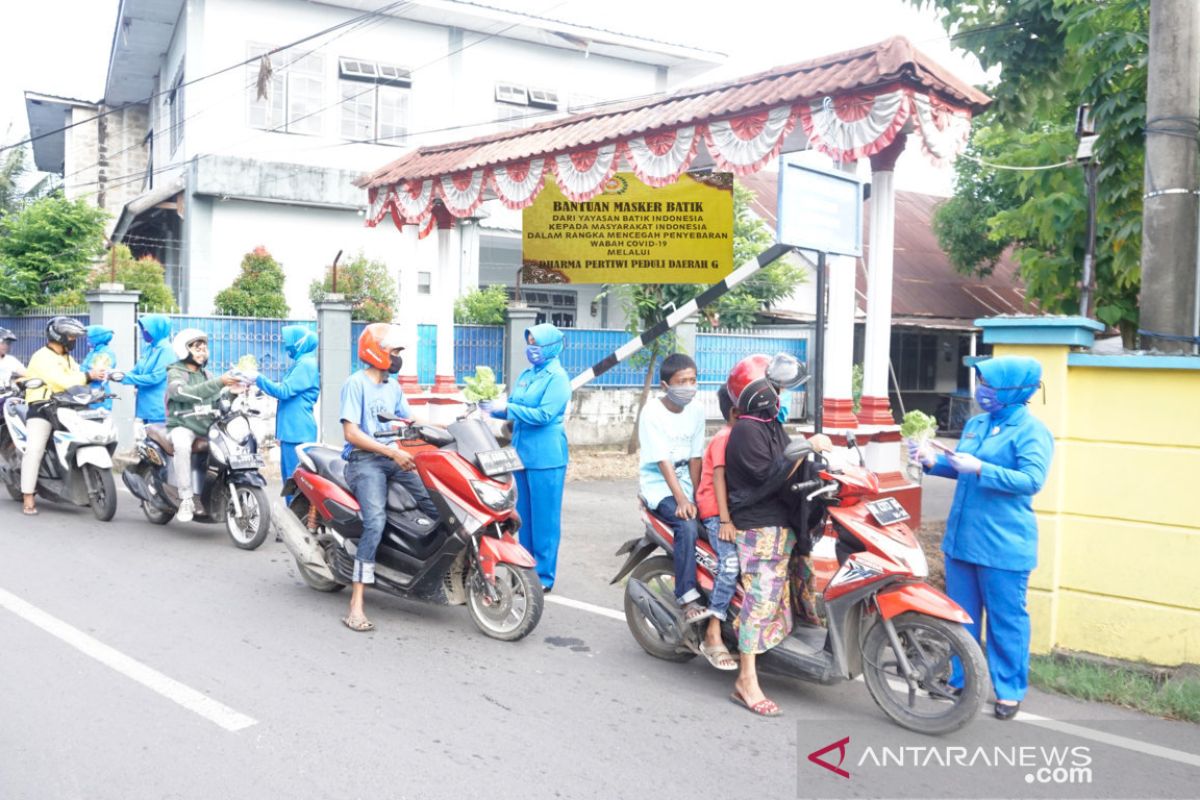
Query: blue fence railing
478	345
230	338
585	347
30	331
717	353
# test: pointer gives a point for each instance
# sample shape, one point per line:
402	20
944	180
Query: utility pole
1170	212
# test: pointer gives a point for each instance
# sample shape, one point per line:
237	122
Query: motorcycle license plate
887	511
249	461
498	462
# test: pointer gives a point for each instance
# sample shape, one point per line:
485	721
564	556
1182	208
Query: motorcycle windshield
472	437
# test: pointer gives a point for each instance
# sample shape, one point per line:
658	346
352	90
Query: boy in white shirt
10	366
671	439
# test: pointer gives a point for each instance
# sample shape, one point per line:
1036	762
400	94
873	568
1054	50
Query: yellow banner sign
632	233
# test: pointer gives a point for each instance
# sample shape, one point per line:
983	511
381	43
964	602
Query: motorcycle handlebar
807	485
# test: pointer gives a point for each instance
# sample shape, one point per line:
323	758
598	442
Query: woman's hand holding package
965	463
920	453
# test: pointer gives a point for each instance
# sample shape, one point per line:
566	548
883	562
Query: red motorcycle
881	619
470	556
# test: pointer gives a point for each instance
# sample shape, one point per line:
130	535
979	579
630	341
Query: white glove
920	453
965	463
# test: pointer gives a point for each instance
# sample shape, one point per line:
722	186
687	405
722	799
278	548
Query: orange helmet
376	343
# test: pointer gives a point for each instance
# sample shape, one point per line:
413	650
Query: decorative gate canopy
849	106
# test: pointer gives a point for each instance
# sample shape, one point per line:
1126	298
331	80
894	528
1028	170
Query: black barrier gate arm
689	308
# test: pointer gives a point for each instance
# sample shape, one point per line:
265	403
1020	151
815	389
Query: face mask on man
396	362
681	395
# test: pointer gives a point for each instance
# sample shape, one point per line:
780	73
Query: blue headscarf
1014	379
548	339
298	340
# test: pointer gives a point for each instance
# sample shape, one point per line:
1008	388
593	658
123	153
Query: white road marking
582	606
1124	742
152	679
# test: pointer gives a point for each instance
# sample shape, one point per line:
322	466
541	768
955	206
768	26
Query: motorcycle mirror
852	442
34	383
383	417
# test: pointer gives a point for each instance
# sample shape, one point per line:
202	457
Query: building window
175	105
558	308
374	101
914	356
295	92
424	283
516	103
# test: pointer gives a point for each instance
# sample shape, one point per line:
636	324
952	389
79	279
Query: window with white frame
175	105
375	100
516	103
295	92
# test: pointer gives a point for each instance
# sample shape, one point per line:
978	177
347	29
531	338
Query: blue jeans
725	581
368	475
686	533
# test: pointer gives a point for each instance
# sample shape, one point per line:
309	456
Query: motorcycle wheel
14	491
516	612
315	581
250	530
155	515
12	456
658	574
104	501
929	643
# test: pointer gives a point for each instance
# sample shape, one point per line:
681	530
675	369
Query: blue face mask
534	353
988	399
782	416
291	351
146	336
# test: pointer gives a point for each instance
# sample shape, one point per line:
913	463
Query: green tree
1054	55
257	291
46	248
481	307
144	274
367	285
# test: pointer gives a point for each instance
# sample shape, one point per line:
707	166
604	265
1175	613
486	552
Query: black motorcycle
227	481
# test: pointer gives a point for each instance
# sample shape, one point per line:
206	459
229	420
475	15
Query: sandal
719	656
29	511
359	625
763	708
693	613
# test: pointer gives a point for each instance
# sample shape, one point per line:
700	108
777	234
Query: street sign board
819	209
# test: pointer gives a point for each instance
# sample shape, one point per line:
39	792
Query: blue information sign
820	210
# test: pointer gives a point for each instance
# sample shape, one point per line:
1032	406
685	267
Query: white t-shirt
10	365
666	436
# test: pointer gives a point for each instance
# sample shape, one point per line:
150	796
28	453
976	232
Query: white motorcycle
77	465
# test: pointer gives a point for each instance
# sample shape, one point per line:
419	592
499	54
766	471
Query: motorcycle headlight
238	428
493	498
918	563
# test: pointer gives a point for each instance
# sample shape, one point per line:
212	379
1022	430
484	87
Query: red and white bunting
380	201
462	193
659	158
744	144
944	130
414	202
857	126
583	173
518	184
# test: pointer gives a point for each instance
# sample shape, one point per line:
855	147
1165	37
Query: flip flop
718	656
30	512
694	614
763	708
361	625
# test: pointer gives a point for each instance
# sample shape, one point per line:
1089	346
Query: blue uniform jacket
991	521
149	375
538	402
98	337
299	389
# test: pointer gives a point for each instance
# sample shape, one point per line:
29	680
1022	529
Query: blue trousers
539	502
288	460
687	531
998	597
368	475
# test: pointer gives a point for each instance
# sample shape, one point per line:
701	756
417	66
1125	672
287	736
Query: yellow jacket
58	372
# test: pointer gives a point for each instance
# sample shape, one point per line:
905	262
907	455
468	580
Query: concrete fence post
517	319
114	307
335	359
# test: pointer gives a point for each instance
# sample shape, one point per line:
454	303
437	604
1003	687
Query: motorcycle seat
158	433
399	498
330	464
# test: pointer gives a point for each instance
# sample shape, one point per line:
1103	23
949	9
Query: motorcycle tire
14	491
655	573
502	619
157	516
315	581
252	528
881	673
104	500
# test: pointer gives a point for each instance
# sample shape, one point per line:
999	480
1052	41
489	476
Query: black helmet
7	336
65	331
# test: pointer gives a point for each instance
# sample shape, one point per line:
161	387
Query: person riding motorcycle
58	372
10	366
189	385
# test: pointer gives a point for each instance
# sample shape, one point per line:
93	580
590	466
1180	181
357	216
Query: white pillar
876	409
445	291
839	346
468	254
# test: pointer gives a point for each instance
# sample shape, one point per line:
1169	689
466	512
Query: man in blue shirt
296	393
373	464
149	375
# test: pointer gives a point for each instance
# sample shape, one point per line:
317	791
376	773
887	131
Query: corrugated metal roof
894	61
925	283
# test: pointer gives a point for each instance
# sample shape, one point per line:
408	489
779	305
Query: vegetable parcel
919	426
482	386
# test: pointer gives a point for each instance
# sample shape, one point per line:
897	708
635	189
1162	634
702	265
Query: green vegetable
918	425
482	385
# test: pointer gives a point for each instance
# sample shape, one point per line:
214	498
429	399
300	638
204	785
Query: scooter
227	482
469	556
882	620
77	465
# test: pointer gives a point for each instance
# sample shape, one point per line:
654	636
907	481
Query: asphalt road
258	690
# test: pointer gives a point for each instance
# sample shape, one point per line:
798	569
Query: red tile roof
894	61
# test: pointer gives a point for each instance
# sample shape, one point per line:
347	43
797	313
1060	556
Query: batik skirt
765	619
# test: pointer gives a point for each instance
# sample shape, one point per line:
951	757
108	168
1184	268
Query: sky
754	34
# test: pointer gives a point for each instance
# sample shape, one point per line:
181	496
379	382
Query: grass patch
1174	695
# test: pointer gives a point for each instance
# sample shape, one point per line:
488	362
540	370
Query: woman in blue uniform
100	357
991	536
536	407
296	393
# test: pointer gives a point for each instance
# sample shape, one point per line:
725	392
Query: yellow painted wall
1119	516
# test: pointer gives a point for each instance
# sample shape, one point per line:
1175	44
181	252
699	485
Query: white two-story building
200	157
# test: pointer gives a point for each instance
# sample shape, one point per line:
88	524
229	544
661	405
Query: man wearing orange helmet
373	464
